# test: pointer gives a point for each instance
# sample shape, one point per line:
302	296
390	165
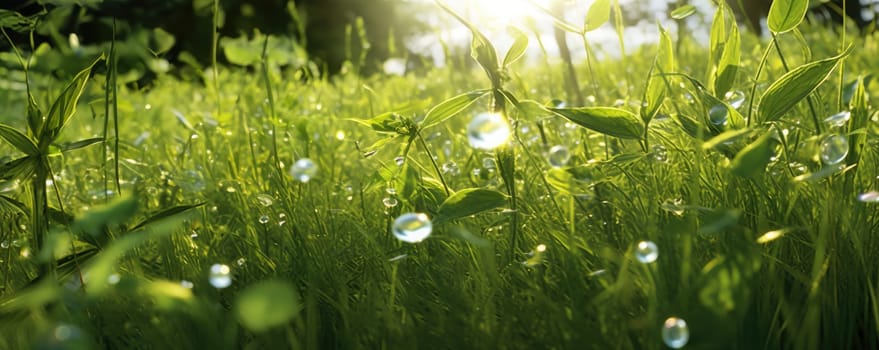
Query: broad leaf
469	202
517	50
606	120
728	66
267	304
794	86
480	48
683	12
785	15
598	14
64	107
448	108
752	160
18	140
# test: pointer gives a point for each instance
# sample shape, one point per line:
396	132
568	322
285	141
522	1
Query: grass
348	283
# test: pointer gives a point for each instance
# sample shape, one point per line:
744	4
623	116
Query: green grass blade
18	140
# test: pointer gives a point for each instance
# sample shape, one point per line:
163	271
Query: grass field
761	209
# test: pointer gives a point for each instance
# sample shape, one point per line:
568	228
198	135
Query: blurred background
332	36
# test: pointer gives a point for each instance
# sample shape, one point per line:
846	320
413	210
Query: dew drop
558	156
399	160
869	197
241	261
646	252
4	244
735	99
718	114
412	227
265	200
303	170
390	202
838	120
186	284
660	153
834	149
675	333
451	168
489	163
264	219
488	131
391	191
220	276
113	278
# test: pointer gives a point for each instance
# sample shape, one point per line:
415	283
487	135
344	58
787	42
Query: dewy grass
780	258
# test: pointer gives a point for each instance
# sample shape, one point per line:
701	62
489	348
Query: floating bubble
646	252
186	284
718	114
660	153
241	261
735	99
264	219
558	156
4	244
488	131
220	276
834	149
303	170
675	333
869	197
838	120
412	227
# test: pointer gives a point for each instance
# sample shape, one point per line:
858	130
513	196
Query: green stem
756	79
39	223
433	161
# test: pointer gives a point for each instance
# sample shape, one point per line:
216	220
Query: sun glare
499	13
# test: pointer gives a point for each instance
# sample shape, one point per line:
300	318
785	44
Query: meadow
682	195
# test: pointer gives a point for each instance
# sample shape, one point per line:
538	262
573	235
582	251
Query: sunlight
494	13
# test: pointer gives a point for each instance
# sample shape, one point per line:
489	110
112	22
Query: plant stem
433	161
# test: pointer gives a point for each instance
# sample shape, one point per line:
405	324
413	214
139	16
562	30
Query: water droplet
675	333
674	206
451	168
303	170
834	149
735	99
4	244
220	276
391	191
558	156
186	284
390	202
399	160
869	197
264	219
838	120
488	131
412	227
646	252
718	114
265	200
660	154
241	261
340	135
489	163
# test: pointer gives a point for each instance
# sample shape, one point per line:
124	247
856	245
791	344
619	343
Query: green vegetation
167	217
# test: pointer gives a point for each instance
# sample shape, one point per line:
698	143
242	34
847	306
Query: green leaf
606	120
726	136
517	50
15	21
93	225
717	36
683	12
654	94
165	213
389	123
450	108
21	168
18	140
794	86
241	51
785	15
81	144
752	160
469	202
162	41
728	66
64	107
267	304
598	14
